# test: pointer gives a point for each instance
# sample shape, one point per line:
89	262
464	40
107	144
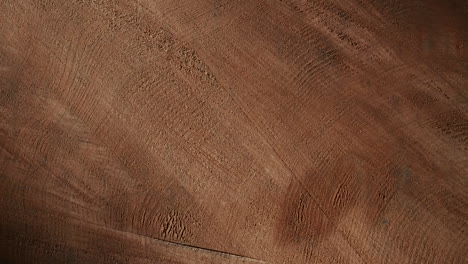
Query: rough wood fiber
246	131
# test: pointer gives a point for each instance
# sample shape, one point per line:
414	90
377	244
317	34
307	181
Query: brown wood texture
238	131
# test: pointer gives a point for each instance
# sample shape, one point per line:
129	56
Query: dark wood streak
249	131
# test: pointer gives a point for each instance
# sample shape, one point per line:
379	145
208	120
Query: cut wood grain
247	131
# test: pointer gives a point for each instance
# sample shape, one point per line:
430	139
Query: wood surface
236	131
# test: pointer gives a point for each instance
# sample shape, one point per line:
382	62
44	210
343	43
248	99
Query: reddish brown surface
250	131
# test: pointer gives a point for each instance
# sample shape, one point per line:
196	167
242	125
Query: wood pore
234	131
